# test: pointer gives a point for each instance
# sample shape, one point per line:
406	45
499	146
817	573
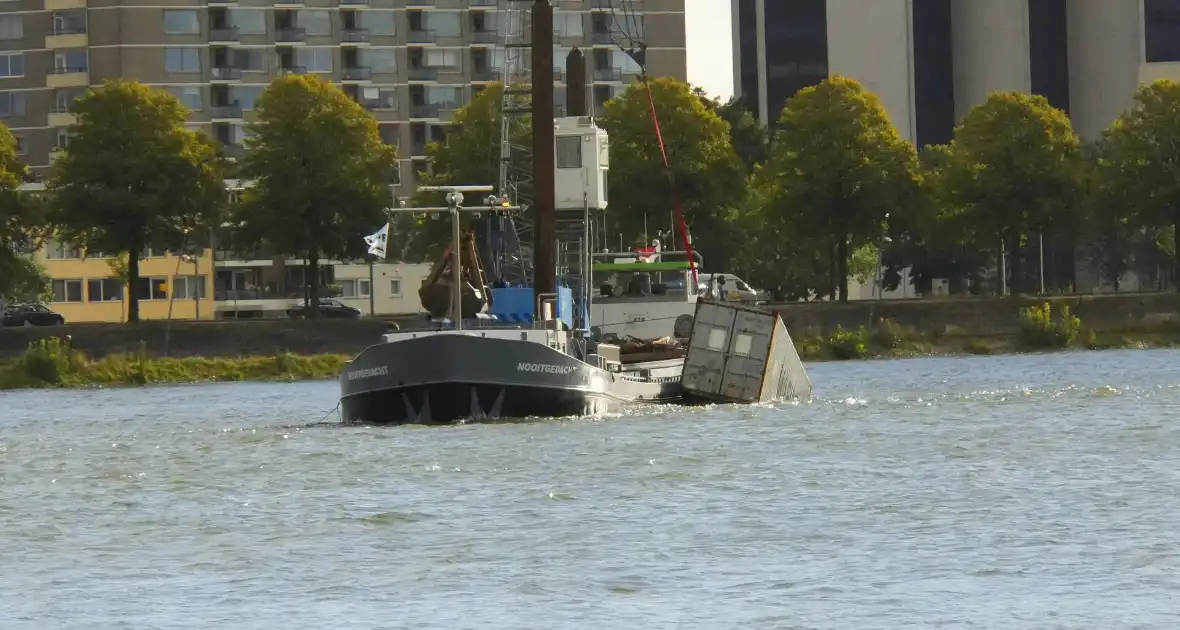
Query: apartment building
410	62
930	61
86	288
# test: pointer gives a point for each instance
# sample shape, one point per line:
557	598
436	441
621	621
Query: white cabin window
569	152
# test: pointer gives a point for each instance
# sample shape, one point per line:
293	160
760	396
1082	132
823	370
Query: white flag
377	241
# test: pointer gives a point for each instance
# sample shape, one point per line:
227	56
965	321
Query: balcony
67	37
422	74
354	3
224	35
64	5
68	76
602	38
425	111
285	70
61	118
292	35
484	75
377	105
225	112
221	3
608	75
421	37
419	3
481	3
355	36
233	150
224	74
288	4
484	37
356	73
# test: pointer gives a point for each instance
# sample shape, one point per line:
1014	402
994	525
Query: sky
710	46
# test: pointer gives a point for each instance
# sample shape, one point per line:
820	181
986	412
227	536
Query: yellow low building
86	289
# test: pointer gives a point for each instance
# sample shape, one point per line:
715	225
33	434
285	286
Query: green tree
932	238
22	221
702	160
750	140
1141	160
837	168
320	174
134	176
1014	167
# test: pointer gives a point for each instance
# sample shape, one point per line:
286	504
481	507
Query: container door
704	366
748	350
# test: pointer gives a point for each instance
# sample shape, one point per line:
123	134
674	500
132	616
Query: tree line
832	191
134	176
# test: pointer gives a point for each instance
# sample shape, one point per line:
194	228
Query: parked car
31	315
327	307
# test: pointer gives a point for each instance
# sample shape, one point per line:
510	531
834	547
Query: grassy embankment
49	363
1040	330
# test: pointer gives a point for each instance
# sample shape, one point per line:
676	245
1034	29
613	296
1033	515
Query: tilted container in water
739	354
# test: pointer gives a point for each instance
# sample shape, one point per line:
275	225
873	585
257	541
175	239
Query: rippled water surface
1015	492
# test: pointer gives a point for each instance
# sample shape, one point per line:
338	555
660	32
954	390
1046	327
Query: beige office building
410	62
930	61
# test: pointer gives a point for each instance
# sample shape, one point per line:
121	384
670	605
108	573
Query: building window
188	95
67	290
444	23
378	22
20	144
444	58
182	59
796	50
12	104
69	22
354	288
1049	51
314	59
76	60
152	252
569	152
11	27
380	59
396	174
249	22
250	60
315	22
934	70
12	65
1161	30
64	99
152	289
182	22
245	95
105	290
55	250
190	287
395	288
568	24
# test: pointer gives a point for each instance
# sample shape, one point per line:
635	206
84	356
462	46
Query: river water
999	492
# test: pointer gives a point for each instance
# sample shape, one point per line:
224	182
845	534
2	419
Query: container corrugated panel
742	354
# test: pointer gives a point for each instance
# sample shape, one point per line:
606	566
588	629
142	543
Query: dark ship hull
443	377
